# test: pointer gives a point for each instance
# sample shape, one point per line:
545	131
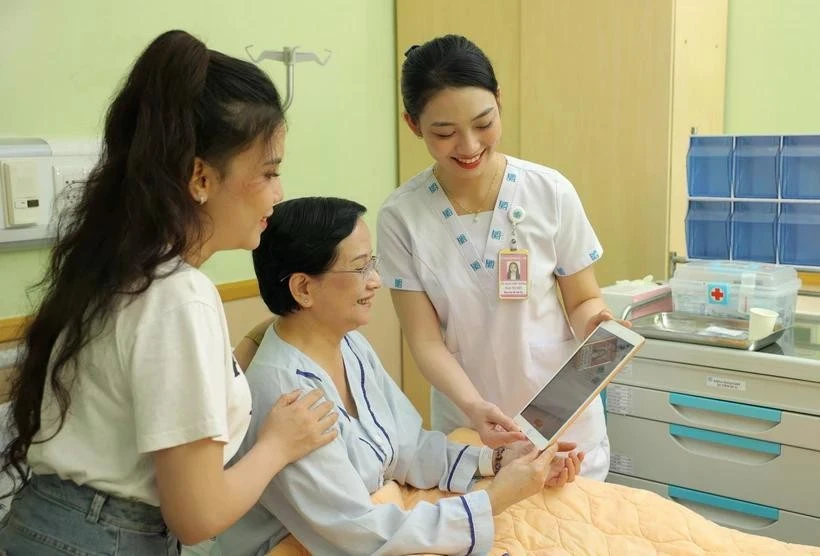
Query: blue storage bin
799	226
800	162
709	166
707	229
756	166
754	232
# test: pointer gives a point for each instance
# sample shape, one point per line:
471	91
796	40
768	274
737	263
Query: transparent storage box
731	288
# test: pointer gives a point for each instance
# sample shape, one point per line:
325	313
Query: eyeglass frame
371	266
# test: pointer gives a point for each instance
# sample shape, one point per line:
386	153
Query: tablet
585	374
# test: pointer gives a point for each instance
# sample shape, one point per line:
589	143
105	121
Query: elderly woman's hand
566	459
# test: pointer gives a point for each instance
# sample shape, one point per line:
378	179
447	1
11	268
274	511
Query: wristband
485	462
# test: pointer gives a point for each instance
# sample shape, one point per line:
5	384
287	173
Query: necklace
483	204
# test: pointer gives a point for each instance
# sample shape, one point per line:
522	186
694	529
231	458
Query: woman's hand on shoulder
494	428
297	425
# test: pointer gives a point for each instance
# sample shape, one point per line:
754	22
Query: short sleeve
179	378
576	245
395	250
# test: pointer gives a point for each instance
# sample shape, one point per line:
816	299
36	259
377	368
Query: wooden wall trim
243	289
11	328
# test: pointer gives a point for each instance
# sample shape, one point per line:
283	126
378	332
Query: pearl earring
202	199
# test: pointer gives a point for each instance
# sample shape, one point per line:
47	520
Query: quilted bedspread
592	518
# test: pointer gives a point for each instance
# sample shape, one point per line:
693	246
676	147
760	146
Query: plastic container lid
747	273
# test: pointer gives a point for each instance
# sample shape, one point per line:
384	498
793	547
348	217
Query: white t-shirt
160	374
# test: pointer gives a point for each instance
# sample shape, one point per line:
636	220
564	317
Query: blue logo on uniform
511	177
433	187
496	234
560	271
594	255
448	212
476	265
397	283
462	239
489	263
503	205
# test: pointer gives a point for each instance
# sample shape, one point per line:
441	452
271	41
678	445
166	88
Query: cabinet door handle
729	408
730	504
732	440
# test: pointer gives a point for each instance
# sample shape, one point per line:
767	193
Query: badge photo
513	274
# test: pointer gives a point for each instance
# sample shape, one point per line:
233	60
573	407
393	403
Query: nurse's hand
494	428
598	318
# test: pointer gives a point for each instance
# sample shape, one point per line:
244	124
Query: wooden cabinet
607	92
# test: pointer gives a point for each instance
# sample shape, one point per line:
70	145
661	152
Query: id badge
513	274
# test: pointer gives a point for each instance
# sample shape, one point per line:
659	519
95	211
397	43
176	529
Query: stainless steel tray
701	329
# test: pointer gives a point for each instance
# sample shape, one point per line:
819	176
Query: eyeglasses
372	266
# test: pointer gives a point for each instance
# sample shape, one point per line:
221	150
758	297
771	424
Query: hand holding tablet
584	375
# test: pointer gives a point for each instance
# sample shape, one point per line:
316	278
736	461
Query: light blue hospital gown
324	498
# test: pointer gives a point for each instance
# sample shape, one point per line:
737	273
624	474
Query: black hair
441	63
303	235
180	101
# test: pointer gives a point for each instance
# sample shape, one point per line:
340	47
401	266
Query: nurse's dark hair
303	236
180	101
451	61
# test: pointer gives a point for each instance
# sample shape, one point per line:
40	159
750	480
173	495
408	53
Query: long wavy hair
180	101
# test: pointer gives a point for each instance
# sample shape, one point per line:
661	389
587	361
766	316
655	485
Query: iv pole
289	56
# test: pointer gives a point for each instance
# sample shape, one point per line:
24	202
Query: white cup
761	323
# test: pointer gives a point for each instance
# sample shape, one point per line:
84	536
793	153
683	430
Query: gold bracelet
256	340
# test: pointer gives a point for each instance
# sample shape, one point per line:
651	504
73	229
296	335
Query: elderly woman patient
316	270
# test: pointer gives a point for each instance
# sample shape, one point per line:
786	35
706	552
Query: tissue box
730	288
622	294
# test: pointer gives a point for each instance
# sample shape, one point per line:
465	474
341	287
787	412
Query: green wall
62	60
772	78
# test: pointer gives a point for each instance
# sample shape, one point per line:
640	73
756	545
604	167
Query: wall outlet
68	186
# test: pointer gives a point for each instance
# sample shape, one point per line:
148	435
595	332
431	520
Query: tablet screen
576	381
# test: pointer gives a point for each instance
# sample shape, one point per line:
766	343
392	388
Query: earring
202	199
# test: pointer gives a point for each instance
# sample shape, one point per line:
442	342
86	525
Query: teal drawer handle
731	504
726	439
730	408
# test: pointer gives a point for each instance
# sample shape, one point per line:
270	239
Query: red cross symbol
717	294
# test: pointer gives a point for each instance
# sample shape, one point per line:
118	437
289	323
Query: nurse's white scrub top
508	348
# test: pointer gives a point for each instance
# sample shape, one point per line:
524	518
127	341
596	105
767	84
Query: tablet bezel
613	327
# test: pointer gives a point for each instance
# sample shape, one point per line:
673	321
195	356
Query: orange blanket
593	518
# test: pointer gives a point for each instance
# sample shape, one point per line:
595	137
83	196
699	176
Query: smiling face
461	128
343	296
239	200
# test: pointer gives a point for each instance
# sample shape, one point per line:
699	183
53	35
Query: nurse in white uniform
473	248
316	270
